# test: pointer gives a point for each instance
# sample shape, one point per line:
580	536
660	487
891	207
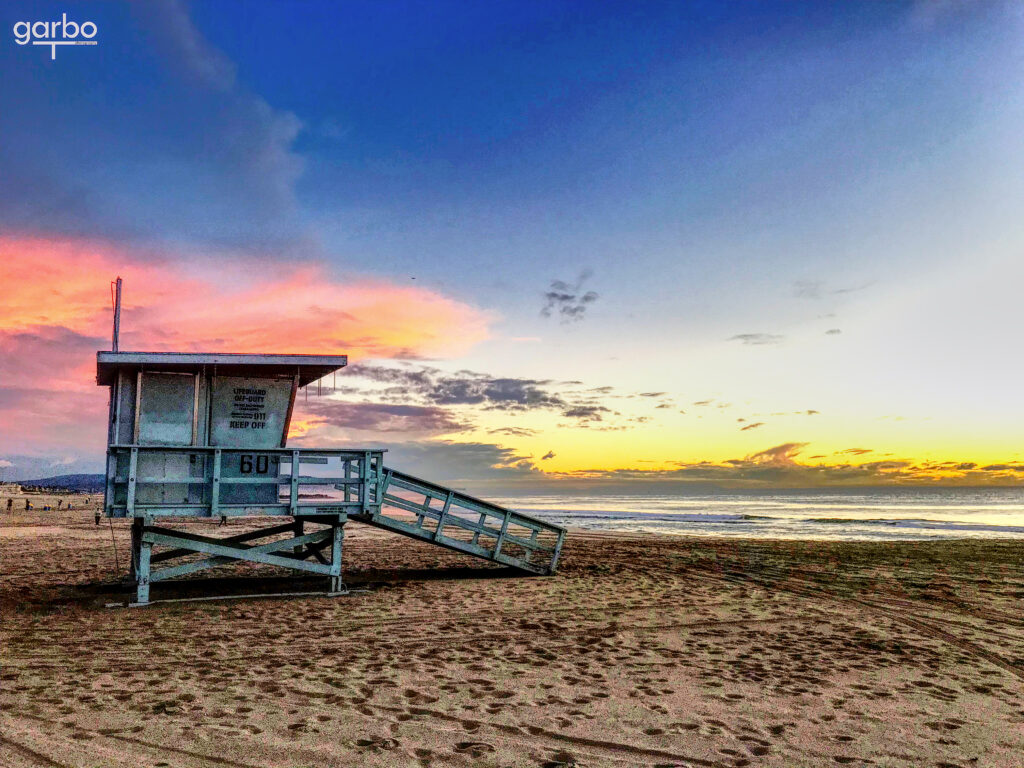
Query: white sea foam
902	514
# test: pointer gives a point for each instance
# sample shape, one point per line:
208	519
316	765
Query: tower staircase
433	513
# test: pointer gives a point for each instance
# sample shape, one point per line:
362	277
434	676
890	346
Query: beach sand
642	650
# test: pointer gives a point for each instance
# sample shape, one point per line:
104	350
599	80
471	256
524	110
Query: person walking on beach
10	504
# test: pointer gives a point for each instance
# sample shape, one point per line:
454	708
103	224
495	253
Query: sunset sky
615	246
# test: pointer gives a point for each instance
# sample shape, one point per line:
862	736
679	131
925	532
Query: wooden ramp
429	512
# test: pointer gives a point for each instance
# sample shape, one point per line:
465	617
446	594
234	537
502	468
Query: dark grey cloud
754	425
569	302
757	339
384	417
548	455
462	387
586	412
513	431
469	388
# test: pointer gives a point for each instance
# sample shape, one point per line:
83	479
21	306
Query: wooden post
338	535
133	466
443	515
215	488
501	536
293	496
133	567
558	551
142	575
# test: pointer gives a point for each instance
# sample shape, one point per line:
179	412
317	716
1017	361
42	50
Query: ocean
851	515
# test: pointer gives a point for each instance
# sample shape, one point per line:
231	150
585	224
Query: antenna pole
117	314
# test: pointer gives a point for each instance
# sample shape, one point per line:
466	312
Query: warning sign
249	413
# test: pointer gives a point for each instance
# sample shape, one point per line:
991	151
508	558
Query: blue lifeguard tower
195	435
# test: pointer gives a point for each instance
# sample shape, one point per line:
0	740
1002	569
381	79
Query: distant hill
86	483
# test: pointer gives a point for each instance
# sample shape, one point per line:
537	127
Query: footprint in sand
377	744
417	697
560	759
474	748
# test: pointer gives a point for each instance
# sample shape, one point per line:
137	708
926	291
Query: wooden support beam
557	552
444	513
215	489
364	477
133	467
133	567
262	553
480	524
337	535
501	536
247	536
142	573
294	485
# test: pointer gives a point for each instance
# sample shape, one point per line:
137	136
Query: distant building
10	489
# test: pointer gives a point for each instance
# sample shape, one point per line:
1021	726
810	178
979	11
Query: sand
641	651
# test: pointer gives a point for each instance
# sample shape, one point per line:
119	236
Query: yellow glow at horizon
717	438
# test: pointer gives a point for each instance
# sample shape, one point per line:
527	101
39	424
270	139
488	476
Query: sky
605	246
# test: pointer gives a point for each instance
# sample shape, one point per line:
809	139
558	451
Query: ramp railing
423	510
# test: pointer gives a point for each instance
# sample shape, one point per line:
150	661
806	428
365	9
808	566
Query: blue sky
768	201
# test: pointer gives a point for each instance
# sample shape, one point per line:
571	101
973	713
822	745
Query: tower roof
308	367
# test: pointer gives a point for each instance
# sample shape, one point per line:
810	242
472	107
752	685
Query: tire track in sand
161	750
38	758
811	590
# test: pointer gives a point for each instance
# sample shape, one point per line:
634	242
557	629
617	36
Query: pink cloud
56	313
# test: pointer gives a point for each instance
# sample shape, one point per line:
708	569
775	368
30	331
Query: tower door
167	408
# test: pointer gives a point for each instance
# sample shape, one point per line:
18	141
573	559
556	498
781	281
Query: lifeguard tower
195	435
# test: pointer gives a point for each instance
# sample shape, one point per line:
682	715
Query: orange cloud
55	313
226	303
